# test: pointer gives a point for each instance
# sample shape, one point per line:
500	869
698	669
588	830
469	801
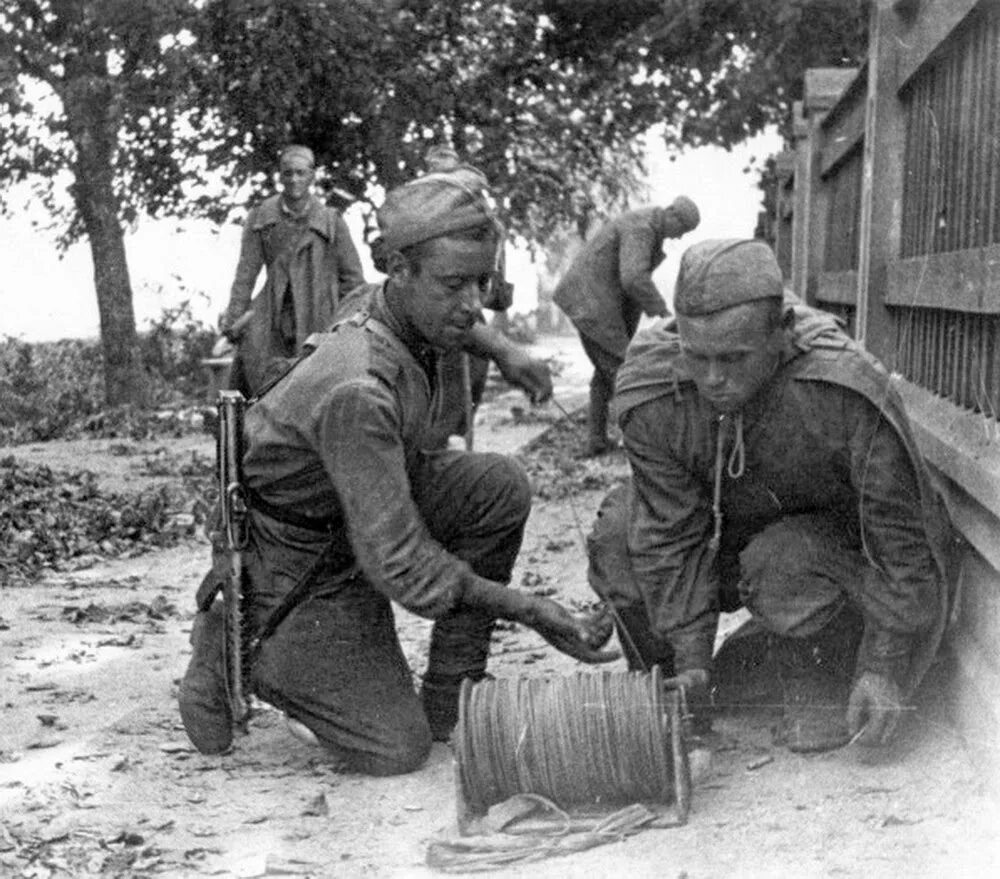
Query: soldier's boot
815	677
743	670
202	696
439	696
459	649
598	441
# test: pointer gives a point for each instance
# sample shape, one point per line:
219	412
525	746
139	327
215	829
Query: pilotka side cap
434	205
721	273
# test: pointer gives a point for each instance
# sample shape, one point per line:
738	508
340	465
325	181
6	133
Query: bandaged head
721	273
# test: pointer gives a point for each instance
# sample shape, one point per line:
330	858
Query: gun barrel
235	592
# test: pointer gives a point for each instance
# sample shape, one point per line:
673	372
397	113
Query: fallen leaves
62	520
159	608
317	807
557	472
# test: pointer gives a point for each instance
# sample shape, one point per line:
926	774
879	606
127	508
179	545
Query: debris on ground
62	520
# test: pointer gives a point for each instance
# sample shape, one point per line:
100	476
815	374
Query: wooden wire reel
583	741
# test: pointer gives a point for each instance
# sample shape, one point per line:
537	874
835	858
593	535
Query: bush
172	350
46	387
52	390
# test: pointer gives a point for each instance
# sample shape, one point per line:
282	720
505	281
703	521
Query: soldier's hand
691	680
874	709
222	347
581	635
531	375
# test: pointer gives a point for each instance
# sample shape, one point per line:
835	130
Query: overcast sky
44	297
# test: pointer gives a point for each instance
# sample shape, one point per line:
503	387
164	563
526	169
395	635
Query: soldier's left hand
581	636
531	375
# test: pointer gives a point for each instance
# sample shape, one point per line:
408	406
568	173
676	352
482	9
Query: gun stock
235	590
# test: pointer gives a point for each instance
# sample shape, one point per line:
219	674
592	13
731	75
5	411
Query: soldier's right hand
222	347
581	636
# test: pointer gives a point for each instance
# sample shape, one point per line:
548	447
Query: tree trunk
91	107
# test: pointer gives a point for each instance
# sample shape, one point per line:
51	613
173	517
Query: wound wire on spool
591	739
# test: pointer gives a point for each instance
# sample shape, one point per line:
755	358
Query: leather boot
815	676
202	696
743	669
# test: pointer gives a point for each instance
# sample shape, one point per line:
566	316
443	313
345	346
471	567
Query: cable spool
583	741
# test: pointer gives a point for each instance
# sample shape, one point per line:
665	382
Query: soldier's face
731	354
296	174
442	296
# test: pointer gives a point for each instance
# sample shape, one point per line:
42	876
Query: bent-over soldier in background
609	286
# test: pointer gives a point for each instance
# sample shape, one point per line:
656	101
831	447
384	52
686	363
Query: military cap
685	212
721	273
436	204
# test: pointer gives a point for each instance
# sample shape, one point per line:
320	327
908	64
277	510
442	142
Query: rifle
236	588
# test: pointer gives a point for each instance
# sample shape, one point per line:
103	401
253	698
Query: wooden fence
894	203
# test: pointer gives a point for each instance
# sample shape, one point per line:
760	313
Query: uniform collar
272	210
422	352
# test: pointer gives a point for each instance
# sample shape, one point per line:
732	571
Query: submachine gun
236	585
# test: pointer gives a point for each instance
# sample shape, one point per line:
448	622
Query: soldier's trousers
795	576
335	663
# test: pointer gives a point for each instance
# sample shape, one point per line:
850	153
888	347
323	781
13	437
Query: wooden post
822	90
880	222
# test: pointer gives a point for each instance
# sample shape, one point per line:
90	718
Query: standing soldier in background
310	260
608	287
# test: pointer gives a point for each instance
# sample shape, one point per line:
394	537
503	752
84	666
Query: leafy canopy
548	97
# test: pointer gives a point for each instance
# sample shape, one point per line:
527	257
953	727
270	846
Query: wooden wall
896	227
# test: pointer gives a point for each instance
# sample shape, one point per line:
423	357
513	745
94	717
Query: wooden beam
960	280
840	288
962	445
881	185
921	36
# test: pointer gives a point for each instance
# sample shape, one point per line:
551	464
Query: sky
46	296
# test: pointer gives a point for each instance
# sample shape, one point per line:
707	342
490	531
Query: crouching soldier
349	512
773	469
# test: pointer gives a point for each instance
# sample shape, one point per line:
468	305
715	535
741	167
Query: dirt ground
98	779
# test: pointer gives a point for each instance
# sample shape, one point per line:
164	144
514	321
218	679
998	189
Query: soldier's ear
398	267
787	318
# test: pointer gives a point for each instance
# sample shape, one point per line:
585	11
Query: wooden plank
962	445
923	37
977	525
880	211
978	623
825	87
840	140
963	280
837	287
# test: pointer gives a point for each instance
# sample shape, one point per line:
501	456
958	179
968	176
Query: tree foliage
157	101
548	97
90	90
80	76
